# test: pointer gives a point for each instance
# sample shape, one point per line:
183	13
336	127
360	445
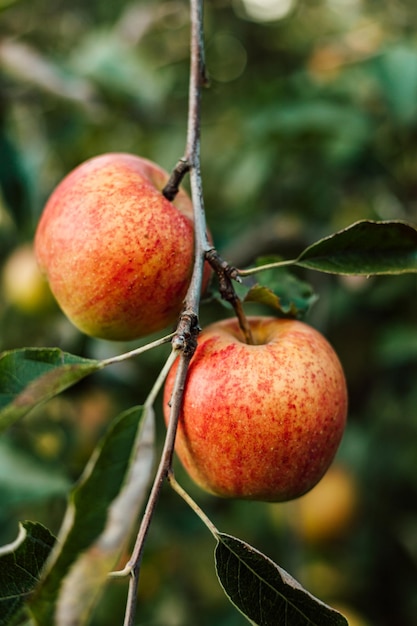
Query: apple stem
226	274
243	321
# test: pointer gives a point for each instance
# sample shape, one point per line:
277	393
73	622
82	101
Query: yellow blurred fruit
328	511
324	514
323	579
24	286
50	445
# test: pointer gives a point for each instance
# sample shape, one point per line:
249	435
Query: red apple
117	254
261	421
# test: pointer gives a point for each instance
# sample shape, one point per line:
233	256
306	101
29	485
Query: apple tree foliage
313	170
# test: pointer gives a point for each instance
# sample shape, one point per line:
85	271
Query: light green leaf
102	510
31	376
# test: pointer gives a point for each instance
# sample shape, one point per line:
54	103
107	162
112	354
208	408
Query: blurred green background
309	124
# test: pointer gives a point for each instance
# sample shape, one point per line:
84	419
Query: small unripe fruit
329	510
117	254
24	286
261	421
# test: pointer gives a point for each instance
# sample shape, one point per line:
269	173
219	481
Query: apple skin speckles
117	254
260	421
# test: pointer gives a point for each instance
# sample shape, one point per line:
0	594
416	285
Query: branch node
185	338
172	187
220	266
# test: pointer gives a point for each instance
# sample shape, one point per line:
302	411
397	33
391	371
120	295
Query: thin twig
192	504
268	266
132	353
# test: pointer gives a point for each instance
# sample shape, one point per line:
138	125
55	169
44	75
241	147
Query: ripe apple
261	421
117	254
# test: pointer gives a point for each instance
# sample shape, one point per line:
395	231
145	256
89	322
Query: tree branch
184	341
185	338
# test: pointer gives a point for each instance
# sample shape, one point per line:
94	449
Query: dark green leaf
365	247
31	376
77	572
264	592
21	563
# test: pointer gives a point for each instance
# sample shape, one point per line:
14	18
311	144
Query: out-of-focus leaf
397	72
101	512
30	376
397	346
343	129
13	180
6	3
25	479
264	592
108	60
366	248
27	64
21	564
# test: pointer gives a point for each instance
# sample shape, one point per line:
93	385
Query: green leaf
264	592
30	376
263	295
21	563
281	291
102	510
366	248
